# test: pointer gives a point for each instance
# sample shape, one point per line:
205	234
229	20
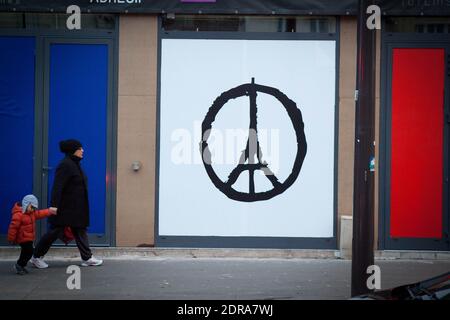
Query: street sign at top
262	7
198	1
115	1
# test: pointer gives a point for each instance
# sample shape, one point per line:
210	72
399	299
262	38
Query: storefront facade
227	125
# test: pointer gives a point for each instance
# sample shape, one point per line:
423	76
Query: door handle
47	168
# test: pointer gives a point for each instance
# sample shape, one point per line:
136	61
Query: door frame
388	43
94	238
96	36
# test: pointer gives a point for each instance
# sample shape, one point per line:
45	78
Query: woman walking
70	196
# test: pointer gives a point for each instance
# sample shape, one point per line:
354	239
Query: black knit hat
69	146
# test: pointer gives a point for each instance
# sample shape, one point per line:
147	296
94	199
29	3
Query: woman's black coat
70	195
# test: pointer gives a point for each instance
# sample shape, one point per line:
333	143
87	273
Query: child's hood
16	209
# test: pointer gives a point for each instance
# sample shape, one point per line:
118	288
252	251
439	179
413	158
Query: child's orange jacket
23	227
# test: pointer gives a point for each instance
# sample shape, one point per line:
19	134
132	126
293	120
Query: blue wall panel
78	110
16	122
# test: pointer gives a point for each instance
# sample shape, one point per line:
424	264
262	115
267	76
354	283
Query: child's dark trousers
26	253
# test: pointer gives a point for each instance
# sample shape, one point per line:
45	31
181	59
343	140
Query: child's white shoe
39	263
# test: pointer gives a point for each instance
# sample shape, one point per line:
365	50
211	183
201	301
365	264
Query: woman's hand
53	210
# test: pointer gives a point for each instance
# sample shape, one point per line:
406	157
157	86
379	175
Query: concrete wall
347	85
136	130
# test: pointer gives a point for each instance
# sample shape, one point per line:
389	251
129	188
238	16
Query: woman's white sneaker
39	263
92	262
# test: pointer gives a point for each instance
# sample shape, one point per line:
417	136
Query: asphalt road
206	279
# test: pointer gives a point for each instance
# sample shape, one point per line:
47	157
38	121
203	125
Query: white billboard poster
247	131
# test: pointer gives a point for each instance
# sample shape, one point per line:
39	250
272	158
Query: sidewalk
205	278
186	274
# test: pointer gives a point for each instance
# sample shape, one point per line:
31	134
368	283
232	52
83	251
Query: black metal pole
363	192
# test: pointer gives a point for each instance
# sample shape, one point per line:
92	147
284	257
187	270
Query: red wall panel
417	143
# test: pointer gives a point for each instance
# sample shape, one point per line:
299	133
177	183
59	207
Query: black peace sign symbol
253	149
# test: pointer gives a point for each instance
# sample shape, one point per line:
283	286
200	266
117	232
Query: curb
55	253
187	253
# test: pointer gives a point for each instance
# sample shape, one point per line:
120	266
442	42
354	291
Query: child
22	228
